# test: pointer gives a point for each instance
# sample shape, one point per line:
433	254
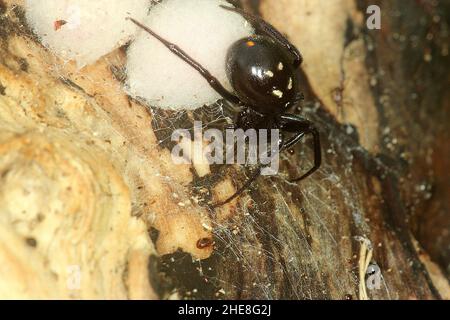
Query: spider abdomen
262	74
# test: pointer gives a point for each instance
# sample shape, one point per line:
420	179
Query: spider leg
269	30
301	126
258	170
245	186
213	82
298	97
293	141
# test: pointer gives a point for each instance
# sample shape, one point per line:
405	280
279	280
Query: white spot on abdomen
280	66
277	93
269	73
290	84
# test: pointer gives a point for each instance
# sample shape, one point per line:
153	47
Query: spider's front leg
180	53
269	30
301	127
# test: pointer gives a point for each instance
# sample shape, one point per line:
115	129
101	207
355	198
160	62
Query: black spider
261	70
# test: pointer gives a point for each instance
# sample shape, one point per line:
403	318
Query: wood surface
86	177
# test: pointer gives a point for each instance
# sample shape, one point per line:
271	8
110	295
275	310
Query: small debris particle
349	130
195	199
373	81
207	227
204	243
58	24
23	64
31	242
221	291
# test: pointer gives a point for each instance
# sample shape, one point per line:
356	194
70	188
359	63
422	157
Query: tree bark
88	190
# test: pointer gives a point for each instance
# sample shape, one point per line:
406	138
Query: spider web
267	227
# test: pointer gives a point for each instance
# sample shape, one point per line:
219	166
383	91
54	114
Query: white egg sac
84	30
204	31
